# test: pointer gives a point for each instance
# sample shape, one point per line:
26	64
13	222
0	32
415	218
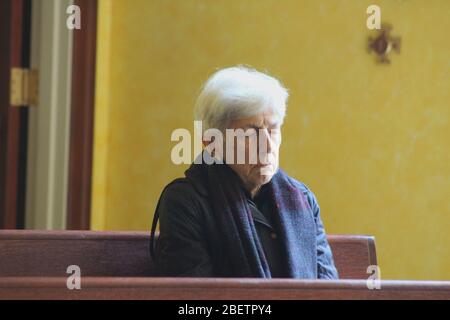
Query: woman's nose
266	141
265	147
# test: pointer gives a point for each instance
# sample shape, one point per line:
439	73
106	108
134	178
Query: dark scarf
240	240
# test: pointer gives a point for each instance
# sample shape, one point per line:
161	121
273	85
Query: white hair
236	93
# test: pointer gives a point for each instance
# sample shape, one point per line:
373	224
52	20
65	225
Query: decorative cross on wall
384	43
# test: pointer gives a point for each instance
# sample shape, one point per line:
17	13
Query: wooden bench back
126	254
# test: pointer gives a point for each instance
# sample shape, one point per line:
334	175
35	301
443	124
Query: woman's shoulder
179	204
299	185
312	200
178	189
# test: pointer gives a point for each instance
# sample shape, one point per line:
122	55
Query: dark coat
189	243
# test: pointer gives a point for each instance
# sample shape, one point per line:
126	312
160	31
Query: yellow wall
370	140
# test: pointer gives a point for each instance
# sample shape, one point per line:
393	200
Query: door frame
68	179
49	121
82	118
61	129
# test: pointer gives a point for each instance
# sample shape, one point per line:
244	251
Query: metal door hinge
24	87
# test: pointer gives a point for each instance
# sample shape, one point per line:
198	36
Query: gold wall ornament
384	43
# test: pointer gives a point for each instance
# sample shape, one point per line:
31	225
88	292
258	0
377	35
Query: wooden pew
117	265
126	254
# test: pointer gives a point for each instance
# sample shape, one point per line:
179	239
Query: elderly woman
229	218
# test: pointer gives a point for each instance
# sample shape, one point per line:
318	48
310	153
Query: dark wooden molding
82	118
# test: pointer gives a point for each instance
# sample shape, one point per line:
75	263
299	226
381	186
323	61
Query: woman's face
258	153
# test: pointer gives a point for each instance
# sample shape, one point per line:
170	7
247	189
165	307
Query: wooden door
15	19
